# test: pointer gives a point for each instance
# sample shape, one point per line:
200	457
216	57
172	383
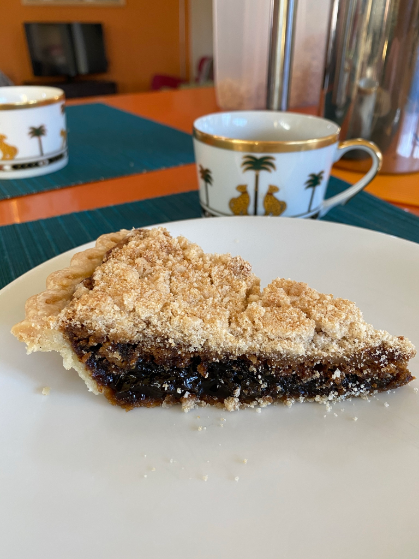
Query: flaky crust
38	329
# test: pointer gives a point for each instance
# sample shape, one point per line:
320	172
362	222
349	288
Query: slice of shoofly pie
149	320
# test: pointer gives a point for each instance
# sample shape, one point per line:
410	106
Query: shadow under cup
33	131
271	163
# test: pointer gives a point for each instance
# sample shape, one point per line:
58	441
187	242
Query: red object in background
205	74
160	81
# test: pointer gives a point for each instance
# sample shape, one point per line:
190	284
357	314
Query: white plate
72	466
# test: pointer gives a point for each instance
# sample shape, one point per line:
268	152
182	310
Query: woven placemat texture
25	245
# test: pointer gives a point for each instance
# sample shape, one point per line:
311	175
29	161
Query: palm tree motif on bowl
314	180
38	132
258	164
206	176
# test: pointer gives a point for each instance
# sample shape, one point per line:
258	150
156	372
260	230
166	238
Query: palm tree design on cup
258	164
206	176
313	181
38	132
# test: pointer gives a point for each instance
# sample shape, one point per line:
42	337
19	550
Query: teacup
271	163
33	132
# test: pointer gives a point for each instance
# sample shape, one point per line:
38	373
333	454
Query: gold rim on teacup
255	146
33	103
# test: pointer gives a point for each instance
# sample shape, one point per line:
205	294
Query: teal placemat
26	245
105	143
369	212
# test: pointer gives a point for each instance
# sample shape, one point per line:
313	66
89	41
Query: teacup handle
350	192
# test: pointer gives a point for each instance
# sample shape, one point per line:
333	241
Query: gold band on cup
253	146
31	104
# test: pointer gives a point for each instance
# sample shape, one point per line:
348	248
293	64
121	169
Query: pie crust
38	330
148	319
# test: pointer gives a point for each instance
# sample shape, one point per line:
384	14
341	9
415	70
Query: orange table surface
178	109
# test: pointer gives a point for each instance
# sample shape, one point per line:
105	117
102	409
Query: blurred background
93	49
148	45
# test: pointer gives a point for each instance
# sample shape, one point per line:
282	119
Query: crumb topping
162	291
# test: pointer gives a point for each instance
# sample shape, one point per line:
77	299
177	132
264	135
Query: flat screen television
66	49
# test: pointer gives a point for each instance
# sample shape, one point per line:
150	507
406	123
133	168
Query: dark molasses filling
131	378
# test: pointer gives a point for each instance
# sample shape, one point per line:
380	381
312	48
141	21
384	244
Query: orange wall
142	38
